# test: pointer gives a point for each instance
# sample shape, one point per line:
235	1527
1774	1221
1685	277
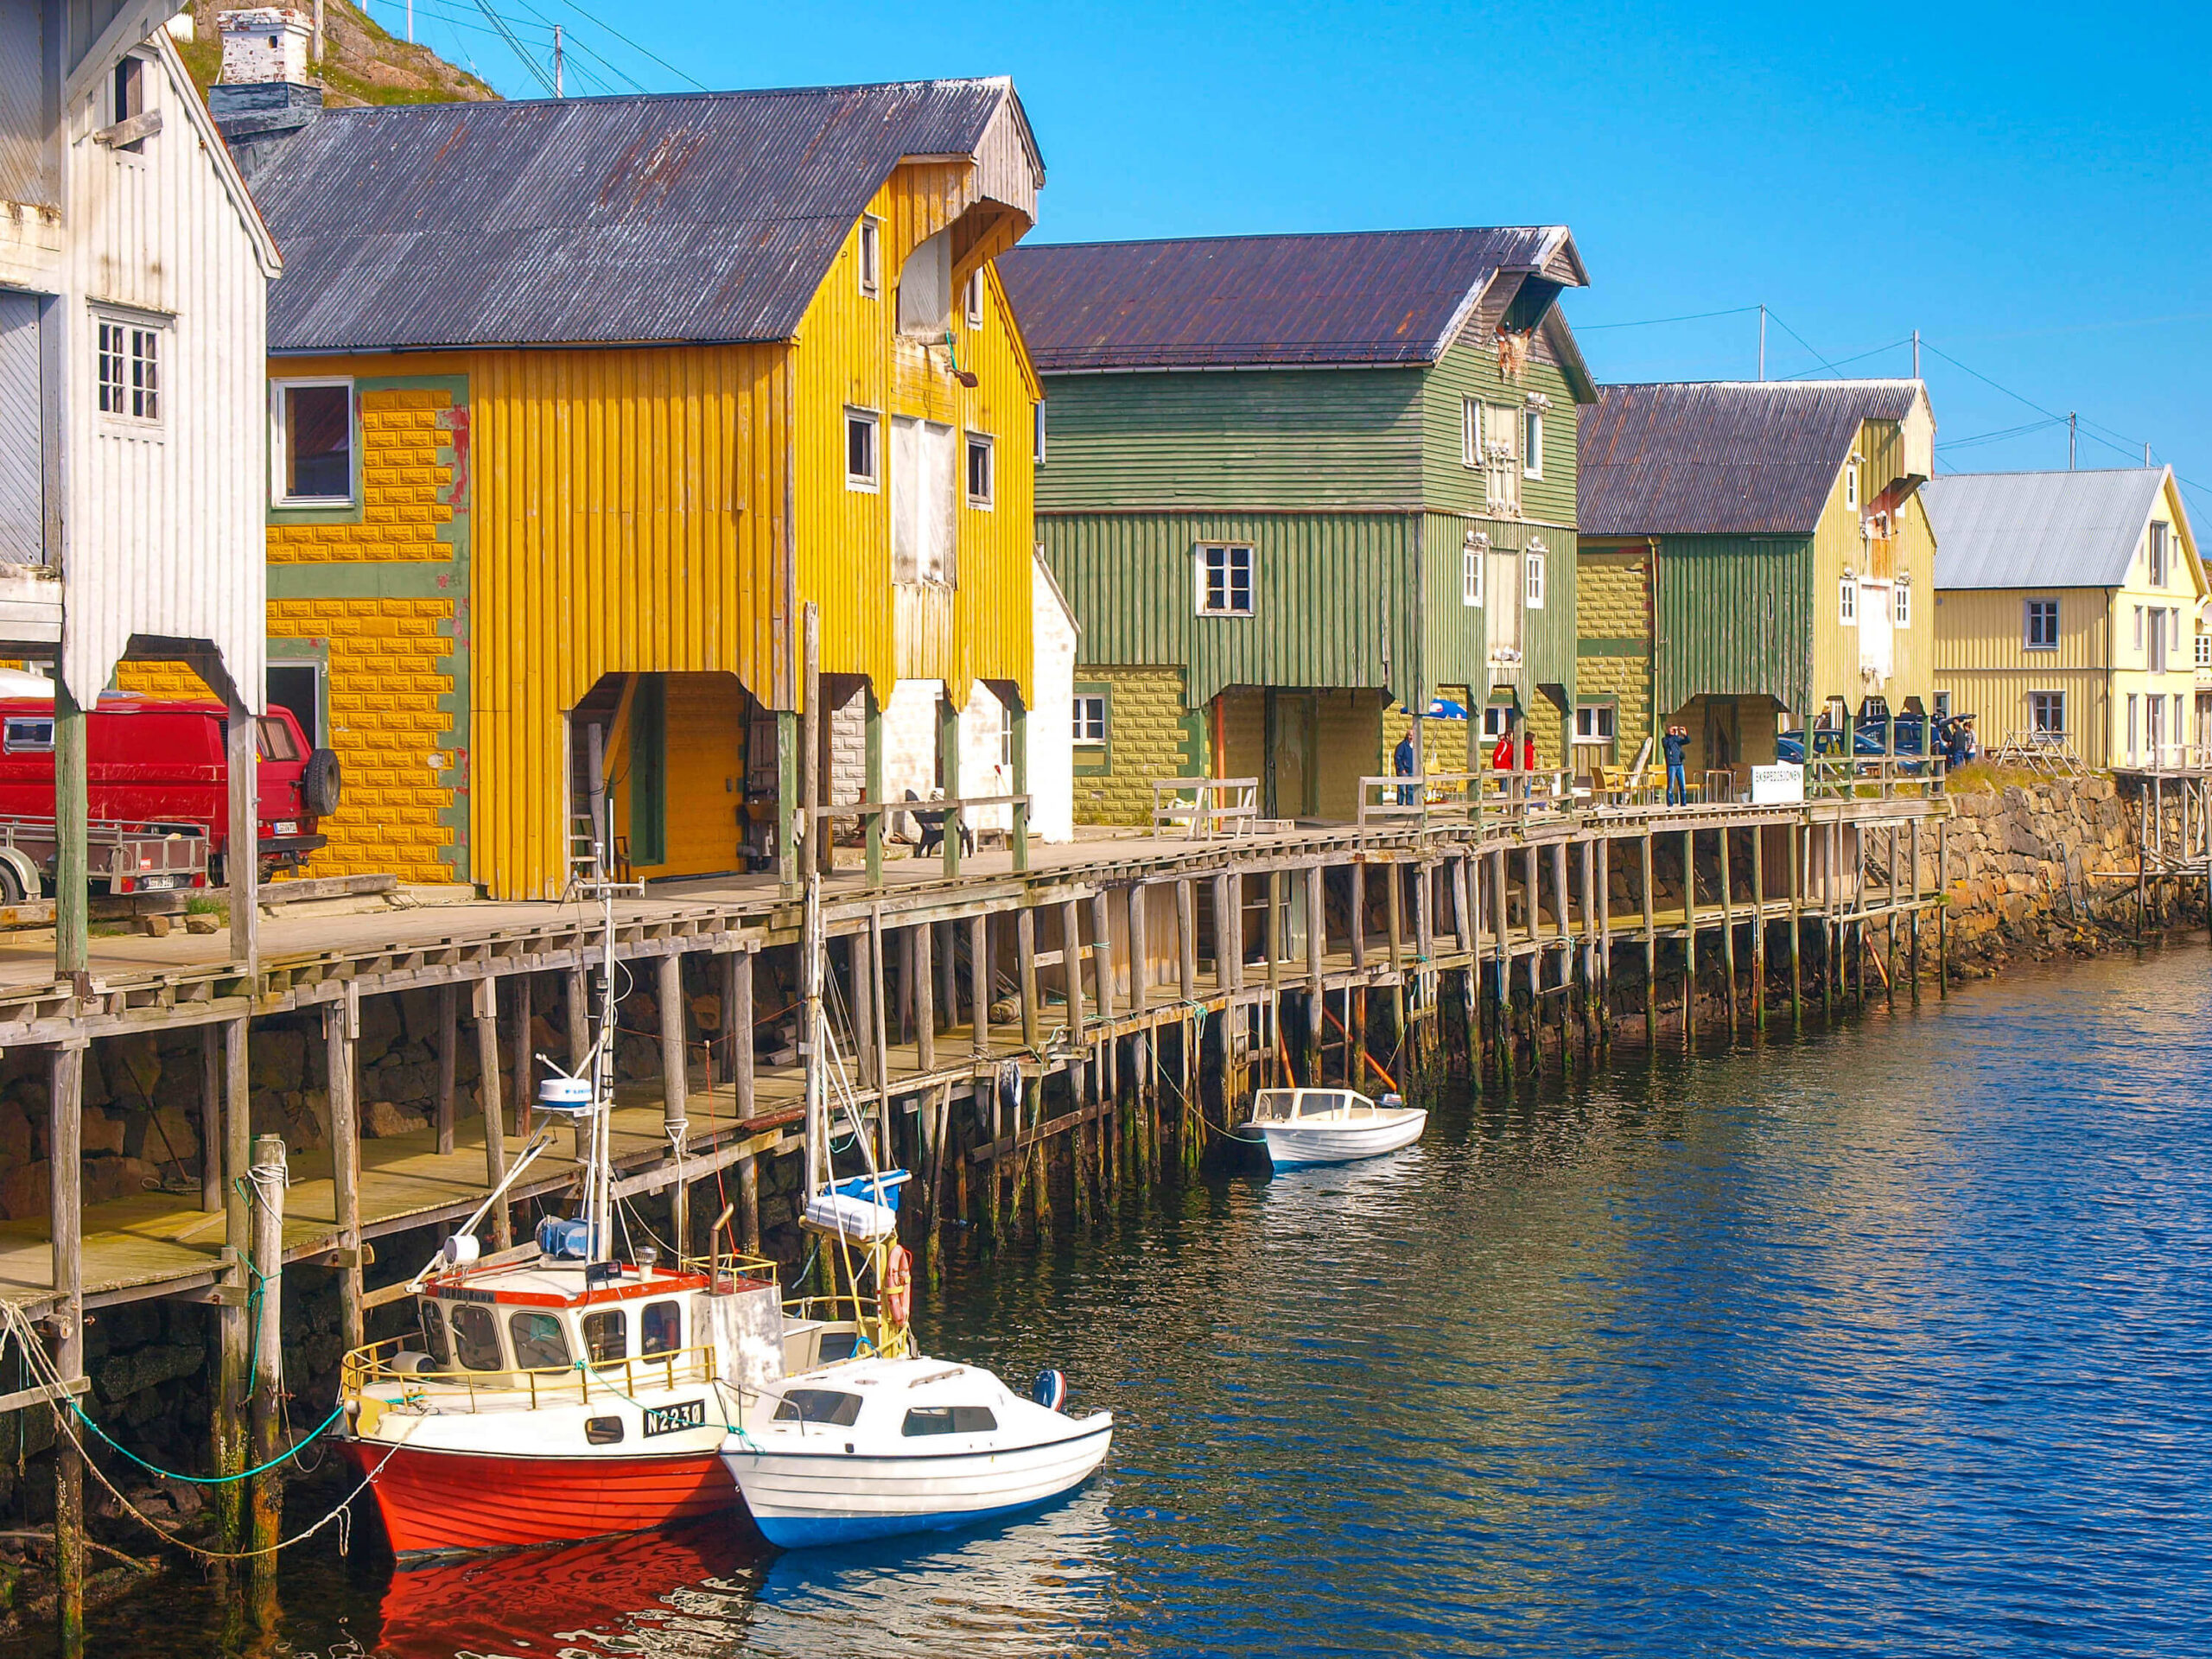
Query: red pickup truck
163	762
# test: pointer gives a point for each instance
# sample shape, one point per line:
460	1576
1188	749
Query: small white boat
1303	1127
877	1447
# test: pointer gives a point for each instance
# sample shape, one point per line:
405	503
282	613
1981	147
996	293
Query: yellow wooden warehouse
2065	613
575	404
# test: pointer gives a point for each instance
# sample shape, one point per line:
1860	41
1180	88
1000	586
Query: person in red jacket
1501	758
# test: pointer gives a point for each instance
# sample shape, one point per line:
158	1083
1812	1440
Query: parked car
150	762
1869	740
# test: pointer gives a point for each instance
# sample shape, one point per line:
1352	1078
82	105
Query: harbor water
1889	1339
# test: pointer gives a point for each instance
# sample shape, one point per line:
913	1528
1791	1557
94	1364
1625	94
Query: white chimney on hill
269	43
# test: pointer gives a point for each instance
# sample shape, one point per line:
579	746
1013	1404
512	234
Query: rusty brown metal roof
1722	458
661	218
1367	297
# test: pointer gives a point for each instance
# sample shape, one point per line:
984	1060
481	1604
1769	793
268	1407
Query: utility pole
1762	342
556	60
2070	439
315	44
410	23
1916	353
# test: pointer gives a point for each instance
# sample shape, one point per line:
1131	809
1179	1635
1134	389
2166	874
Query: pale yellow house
2067	607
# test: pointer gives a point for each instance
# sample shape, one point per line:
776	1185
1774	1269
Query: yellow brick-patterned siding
1613	608
171	682
388	726
404	486
1148	735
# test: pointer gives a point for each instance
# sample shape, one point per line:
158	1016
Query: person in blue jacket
1677	743
1401	763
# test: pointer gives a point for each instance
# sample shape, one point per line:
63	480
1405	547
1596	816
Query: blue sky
2027	187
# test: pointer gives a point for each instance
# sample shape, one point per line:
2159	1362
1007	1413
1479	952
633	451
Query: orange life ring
899	1284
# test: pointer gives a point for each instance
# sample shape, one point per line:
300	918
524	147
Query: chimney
264	95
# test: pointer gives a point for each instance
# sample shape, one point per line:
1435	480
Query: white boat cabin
1289	1105
536	1319
908	1399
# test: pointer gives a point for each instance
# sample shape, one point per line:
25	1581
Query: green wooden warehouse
1294	486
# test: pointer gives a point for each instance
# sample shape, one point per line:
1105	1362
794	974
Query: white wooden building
133	284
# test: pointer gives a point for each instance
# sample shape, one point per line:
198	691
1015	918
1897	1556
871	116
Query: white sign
1777	785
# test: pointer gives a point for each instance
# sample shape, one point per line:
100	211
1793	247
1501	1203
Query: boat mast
599	1192
816	1131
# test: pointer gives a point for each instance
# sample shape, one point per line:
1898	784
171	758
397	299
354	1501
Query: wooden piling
234	1150
1501	972
341	1032
523	1089
1759	927
1798	845
921	988
1650	949
979	984
267	1524
1728	931
1025	951
675	1092
1689	939
486	1013
65	1146
447	1045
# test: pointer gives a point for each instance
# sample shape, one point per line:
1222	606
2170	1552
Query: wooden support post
676	1092
871	789
1944	908
1071	967
1316	943
1140	949
241	775
72	856
948	749
1186	943
880	1040
1759	927
575	1016
1102	975
1689	939
1831	929
1470	978
486	1012
1018	818
814	788
1799	843
268	1502
921	991
66	1214
1502	975
210	1119
1604	900
790	804
232	1336
1025	952
1224	933
737	1023
1890	927
341	1029
979	984
1728	929
946	952
1563	926
1650	948
523	1088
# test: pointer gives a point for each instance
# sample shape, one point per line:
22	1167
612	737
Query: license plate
155	883
667	1420
287	826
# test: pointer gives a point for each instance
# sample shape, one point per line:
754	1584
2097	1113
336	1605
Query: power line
1647	322
641	51
1801	340
1855	358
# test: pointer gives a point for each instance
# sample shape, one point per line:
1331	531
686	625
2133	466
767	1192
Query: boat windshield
434	1335
606	1335
819	1406
1318	1103
1274	1103
541	1343
660	1328
949	1420
476	1338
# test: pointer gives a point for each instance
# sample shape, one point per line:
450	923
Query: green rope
204	1480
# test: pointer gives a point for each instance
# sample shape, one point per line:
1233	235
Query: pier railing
1205	807
1873	778
546	1385
1469	797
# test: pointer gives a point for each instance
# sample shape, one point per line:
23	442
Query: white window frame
973	443
2155	553
1229	562
1850	484
1081	727
1593	738
2029	610
1943	705
2138	627
1037	437
135	331
1532	566
2134	699
870	257
971	302
870	482
1532	443
1006	739
1471	432
2204	650
1847	603
1902	616
279	459
1474	553
2057	704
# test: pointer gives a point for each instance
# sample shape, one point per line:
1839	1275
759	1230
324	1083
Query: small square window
314	443
871	257
974	294
1090	719
1536	568
2047	712
1847	603
1532	443
979	470
1943	705
130	370
863	468
1593	722
2042	624
1224	582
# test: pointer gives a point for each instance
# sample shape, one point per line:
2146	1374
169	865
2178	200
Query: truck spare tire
319	786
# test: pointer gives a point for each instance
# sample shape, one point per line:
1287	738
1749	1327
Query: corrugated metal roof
2039	530
603	220
1363	297
1722	458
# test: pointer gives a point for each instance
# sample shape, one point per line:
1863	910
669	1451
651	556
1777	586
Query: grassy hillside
361	63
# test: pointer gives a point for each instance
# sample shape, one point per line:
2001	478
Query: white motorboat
878	1447
1303	1127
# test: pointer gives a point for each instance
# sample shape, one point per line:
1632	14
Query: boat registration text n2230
666	1420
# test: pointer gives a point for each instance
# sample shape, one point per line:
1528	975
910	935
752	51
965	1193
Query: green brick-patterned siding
1150	733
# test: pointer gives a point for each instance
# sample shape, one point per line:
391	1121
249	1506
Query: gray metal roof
2039	530
603	220
1722	458
1365	297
